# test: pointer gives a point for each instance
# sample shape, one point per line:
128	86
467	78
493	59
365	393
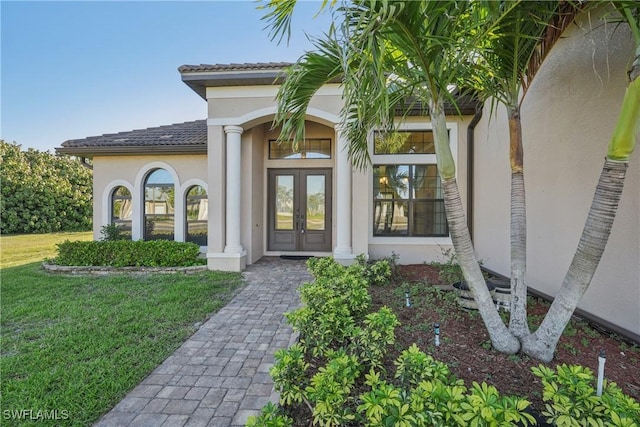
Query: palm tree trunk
597	229
501	338
518	319
542	343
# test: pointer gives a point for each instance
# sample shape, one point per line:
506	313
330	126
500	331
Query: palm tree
390	52
387	53
518	44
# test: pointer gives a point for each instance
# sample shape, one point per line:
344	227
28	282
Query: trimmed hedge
127	253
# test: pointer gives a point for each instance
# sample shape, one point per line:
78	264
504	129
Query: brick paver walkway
220	375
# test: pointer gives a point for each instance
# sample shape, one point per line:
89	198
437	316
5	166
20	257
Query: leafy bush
377	273
385	404
330	390
339	338
434	397
414	366
269	417
289	374
333	305
111	232
485	407
571	393
342	341
42	192
126	253
372	341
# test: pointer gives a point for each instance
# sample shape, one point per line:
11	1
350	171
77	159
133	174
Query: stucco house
225	183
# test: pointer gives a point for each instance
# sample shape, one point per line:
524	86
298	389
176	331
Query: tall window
408	201
196	215
159	198
121	209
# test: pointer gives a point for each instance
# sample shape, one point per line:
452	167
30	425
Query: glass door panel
284	202
315	202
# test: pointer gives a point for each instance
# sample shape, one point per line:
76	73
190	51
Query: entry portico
277	200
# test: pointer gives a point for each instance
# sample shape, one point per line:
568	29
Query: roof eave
131	150
199	81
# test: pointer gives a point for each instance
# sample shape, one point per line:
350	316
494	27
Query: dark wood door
299	206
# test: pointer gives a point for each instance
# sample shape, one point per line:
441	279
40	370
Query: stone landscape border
103	271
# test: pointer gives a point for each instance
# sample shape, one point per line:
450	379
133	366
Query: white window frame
408	159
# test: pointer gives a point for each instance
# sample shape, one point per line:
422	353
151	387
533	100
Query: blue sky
84	68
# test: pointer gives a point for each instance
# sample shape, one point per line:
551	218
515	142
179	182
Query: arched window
121	209
196	215
159	198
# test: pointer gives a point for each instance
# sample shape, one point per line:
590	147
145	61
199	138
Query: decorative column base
227	261
344	256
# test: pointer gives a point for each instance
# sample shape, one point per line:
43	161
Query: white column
343	249
234	176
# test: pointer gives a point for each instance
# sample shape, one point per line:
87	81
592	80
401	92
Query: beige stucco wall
130	171
253	108
568	117
248	106
253	223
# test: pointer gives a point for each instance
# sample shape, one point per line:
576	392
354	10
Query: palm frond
303	79
513	50
278	18
280	15
563	16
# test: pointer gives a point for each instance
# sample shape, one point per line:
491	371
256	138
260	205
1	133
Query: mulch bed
465	346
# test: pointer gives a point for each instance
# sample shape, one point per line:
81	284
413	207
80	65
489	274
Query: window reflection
159	203
408	201
197	207
284	202
121	210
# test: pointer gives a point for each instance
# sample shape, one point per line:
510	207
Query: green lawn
78	344
22	249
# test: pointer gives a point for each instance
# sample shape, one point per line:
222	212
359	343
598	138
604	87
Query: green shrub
385	404
324	267
42	192
572	400
333	305
334	325
436	398
414	366
269	417
372	341
440	402
112	232
289	374
377	273
330	390
126	253
485	407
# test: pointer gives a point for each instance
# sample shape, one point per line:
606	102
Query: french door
299	204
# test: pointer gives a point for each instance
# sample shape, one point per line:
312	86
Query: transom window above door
404	142
310	148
